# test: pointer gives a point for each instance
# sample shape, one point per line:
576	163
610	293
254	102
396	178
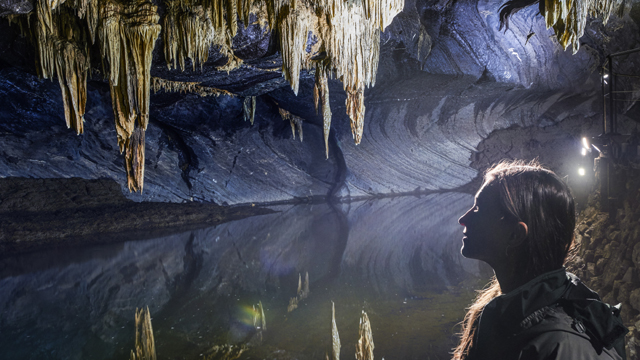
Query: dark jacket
553	316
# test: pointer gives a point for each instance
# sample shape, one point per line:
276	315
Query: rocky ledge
49	213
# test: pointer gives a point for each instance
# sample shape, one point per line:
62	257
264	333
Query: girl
522	225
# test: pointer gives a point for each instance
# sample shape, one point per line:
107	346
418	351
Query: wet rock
589	256
634	299
599	267
591	269
636	254
630	276
15	7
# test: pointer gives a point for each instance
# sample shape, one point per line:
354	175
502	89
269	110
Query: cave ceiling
208	109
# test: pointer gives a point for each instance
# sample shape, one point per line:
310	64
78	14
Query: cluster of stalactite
568	18
337	38
348	48
294	120
62	44
145	343
128	34
303	293
158	84
364	347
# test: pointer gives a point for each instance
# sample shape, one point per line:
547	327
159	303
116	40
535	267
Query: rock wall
447	79
608	258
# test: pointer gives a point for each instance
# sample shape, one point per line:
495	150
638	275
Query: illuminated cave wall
446	80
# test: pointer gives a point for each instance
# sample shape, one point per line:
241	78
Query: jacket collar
504	314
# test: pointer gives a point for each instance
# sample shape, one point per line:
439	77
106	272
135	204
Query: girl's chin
468	251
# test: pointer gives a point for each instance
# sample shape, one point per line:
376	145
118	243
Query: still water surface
397	259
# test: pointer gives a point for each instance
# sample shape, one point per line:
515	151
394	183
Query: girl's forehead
487	193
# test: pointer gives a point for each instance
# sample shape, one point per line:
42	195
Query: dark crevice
341	171
235	160
173	140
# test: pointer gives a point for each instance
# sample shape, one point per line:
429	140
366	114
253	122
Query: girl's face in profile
486	232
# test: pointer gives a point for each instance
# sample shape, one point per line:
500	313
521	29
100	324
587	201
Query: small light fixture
605	76
585	143
581	172
584	152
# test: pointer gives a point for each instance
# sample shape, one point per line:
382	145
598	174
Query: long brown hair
536	196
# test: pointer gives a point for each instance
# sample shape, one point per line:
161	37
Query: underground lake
397	259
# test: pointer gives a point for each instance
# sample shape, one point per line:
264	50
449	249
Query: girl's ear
521	232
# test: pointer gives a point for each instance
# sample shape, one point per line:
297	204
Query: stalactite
262	318
226	352
88	10
355	110
293	304
569	17
128	34
335	337
145	344
62	51
303	289
364	347
158	84
294	29
347	33
321	95
294	121
188	33
305	292
249	108
259	321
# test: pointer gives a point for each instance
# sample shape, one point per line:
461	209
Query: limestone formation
364	347
294	120
158	84
63	51
348	43
249	108
188	33
335	337
259	321
145	344
127	35
568	18
321	95
303	292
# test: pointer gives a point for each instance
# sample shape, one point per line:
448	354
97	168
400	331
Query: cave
259	176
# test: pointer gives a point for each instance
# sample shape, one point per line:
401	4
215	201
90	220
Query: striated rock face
447	80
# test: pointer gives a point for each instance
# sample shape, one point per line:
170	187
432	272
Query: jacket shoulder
557	336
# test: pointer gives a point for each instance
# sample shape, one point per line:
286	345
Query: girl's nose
462	219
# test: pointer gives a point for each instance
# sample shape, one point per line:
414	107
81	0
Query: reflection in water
397	259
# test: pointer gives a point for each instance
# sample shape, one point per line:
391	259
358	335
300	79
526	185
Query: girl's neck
508	278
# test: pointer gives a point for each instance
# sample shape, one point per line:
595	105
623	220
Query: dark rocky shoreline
38	214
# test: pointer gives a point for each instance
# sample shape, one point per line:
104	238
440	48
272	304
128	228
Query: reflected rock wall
199	285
